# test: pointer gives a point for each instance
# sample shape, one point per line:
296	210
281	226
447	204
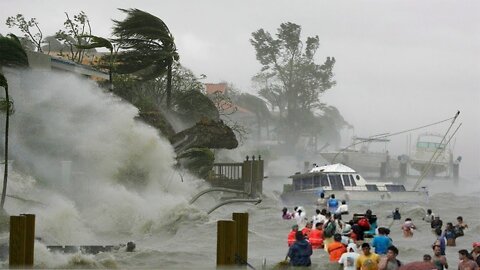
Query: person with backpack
329	229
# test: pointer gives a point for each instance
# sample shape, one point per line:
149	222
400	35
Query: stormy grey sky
400	64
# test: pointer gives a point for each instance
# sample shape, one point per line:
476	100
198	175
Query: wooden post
17	241
226	242
260	174
246	175
241	220
29	239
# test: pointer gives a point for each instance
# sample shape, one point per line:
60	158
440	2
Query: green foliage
11	52
198	161
25	27
73	36
3	81
95	42
4	105
290	79
193	105
149	47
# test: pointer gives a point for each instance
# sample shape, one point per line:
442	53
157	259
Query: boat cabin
338	177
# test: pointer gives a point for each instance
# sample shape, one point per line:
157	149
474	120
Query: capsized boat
346	184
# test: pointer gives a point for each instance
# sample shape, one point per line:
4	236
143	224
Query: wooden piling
403	170
456	170
241	221
29	239
226	242
383	170
17	241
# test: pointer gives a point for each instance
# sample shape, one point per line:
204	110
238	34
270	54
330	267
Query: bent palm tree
149	47
11	54
99	42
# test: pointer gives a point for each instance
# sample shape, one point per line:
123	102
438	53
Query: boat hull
309	197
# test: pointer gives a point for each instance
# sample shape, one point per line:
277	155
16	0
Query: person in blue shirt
381	242
332	204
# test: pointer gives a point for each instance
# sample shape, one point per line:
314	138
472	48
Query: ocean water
105	179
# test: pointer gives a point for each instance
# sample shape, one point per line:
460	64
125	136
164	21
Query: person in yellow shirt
367	260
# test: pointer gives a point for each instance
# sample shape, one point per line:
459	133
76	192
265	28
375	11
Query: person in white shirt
301	217
342	209
349	259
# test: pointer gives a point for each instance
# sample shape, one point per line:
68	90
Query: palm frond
12	52
3	81
96	42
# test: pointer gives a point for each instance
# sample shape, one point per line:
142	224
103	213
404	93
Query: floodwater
82	197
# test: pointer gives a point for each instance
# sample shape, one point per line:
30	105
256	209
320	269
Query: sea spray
122	183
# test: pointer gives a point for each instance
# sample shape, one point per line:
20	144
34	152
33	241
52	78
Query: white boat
347	185
422	157
363	159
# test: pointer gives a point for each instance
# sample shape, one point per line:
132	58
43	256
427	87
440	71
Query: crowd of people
342	240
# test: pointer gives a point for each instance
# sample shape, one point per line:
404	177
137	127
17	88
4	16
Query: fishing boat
366	161
432	154
346	184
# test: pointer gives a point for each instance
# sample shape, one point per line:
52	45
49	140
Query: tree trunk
5	174
169	85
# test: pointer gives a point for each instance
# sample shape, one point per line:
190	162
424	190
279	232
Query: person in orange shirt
291	236
306	231
336	248
316	236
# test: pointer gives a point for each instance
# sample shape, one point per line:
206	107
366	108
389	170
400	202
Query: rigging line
429	164
423	175
392	134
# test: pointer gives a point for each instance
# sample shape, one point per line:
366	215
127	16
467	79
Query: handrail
256	201
216	189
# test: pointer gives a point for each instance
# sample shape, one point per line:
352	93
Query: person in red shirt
336	248
316	236
291	236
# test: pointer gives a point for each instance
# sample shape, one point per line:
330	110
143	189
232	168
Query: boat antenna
381	136
432	160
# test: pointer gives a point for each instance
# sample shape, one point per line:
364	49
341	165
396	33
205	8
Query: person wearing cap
367	260
291	235
476	252
348	260
300	252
